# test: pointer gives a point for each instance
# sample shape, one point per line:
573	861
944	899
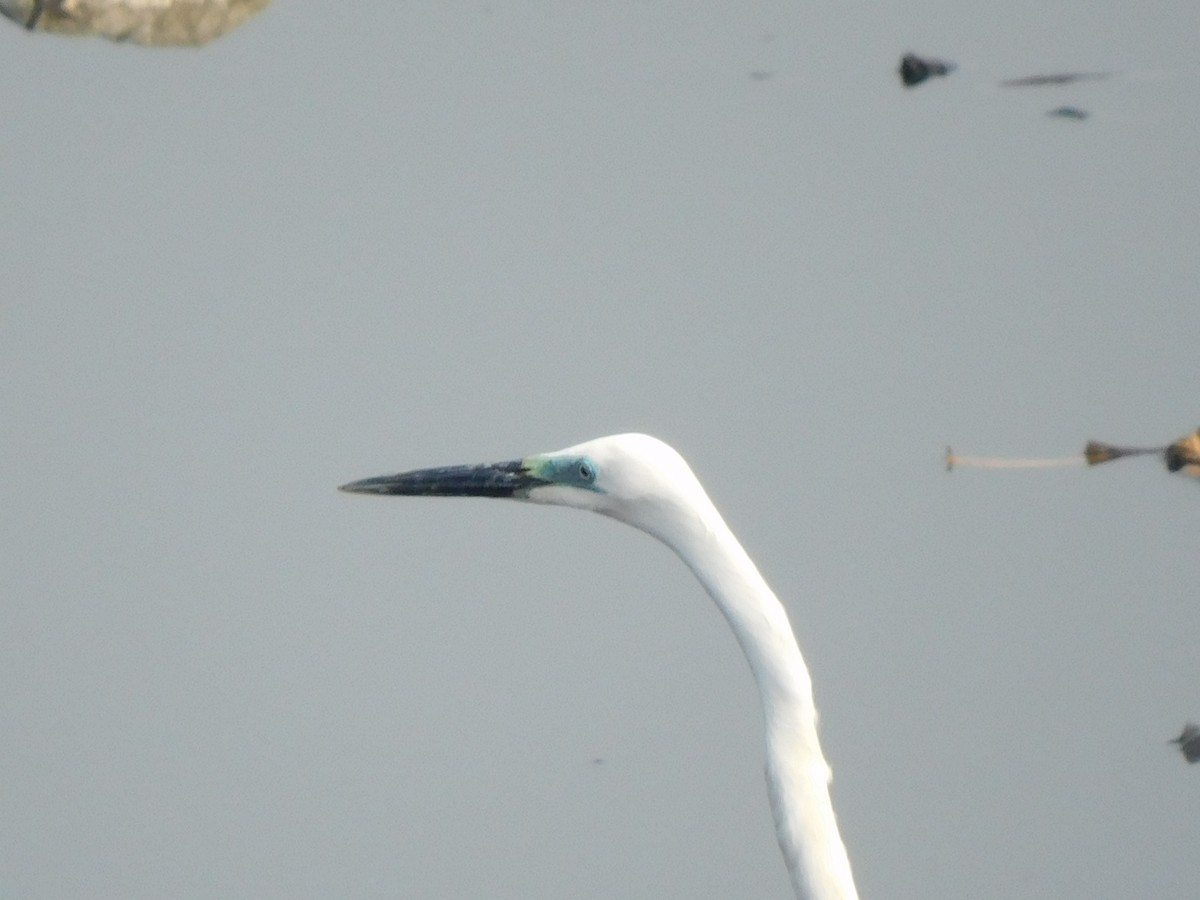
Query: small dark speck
761	75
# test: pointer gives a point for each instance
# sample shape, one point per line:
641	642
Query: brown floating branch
1181	456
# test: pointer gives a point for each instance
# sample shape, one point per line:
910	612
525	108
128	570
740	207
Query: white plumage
643	482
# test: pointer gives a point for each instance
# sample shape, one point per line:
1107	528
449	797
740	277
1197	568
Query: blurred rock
156	23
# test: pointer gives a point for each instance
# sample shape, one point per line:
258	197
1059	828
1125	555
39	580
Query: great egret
643	482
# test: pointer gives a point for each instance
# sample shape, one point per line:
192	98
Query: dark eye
586	472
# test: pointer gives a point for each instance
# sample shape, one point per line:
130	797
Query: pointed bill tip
364	486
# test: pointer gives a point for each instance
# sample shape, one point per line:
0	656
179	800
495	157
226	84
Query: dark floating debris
1189	742
1059	78
1181	456
914	69
1068	112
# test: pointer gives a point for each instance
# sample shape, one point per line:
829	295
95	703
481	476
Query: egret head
631	477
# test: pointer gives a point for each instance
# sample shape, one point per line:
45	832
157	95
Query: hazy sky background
336	244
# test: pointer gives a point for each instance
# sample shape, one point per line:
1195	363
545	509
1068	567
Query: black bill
494	480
